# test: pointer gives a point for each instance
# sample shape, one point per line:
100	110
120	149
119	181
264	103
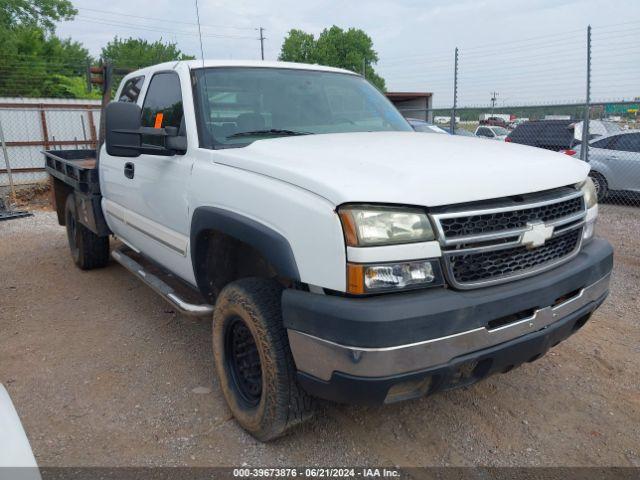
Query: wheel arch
601	168
267	242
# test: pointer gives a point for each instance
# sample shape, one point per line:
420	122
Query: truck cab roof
194	64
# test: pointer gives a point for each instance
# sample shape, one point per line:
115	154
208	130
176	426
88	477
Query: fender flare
274	247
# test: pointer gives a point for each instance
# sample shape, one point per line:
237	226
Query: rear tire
602	189
253	359
88	250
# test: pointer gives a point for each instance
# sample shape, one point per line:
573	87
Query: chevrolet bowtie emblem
537	234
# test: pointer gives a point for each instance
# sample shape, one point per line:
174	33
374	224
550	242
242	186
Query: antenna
199	33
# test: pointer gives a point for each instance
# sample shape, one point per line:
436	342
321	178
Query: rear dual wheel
88	250
253	360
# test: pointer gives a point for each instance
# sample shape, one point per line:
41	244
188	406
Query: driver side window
163	106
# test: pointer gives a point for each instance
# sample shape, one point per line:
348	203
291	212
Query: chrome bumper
321	358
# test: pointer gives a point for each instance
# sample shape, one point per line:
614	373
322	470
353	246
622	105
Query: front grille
483	266
510	219
490	242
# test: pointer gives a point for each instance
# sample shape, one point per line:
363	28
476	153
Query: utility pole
455	94
364	67
494	99
584	151
262	42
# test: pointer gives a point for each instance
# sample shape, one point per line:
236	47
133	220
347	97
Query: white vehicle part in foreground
403	168
15	450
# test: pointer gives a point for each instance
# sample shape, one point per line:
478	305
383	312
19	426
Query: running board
160	287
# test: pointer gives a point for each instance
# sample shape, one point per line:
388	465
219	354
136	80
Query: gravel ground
104	373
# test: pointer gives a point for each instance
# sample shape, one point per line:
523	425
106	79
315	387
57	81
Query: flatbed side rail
75	172
76	168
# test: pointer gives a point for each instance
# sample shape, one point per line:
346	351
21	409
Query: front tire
88	250
602	188
253	360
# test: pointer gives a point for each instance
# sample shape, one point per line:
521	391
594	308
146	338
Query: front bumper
393	347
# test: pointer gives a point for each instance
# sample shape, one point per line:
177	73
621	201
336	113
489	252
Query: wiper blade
270	131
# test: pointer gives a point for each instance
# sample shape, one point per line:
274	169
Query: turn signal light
387	277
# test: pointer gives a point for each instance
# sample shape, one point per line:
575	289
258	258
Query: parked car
597	128
548	134
493	133
339	254
517	121
615	162
425	127
495	122
459	131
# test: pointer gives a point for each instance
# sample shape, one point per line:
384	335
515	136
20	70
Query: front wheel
602	189
253	360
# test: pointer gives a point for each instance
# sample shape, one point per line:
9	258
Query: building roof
404	96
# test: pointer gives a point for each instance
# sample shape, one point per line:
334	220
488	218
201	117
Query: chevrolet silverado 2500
340	254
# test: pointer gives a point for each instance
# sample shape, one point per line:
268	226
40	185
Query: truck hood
405	167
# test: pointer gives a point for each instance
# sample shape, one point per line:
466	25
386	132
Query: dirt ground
104	373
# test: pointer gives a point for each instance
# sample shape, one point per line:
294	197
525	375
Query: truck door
152	189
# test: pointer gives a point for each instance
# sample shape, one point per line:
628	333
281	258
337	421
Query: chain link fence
525	103
527	83
28	126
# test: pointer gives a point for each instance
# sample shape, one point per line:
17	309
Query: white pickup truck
340	254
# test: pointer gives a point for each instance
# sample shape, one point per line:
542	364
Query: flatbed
76	171
76	168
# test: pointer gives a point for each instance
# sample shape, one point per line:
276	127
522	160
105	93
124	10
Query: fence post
455	94
45	129
584	150
8	165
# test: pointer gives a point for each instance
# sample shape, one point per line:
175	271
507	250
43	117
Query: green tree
298	47
35	13
35	63
33	60
350	49
138	53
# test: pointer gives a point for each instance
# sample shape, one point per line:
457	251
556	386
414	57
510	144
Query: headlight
394	276
590	193
368	225
591	201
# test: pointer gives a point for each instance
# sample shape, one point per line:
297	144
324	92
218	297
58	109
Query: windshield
239	105
500	131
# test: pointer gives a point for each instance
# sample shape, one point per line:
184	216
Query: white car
425	127
492	132
340	254
614	161
16	456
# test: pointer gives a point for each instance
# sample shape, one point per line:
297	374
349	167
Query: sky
528	51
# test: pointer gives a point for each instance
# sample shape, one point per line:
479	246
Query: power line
157	29
172	21
609	25
569	33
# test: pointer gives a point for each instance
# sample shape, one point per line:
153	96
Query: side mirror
124	133
122	123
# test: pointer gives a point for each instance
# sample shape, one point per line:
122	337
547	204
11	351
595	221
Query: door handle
129	170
